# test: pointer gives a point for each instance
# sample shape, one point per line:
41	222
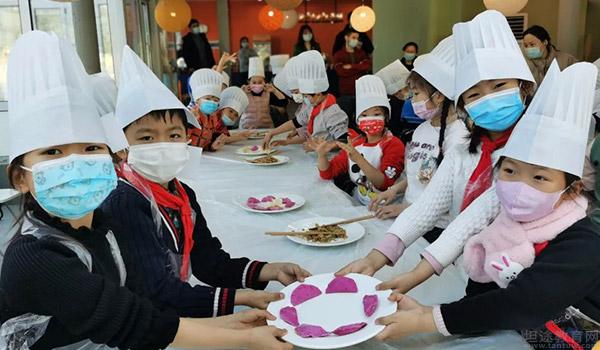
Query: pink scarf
506	247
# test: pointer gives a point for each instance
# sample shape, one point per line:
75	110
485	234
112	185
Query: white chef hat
486	49
235	98
49	94
141	92
311	73
278	62
597	64
394	76
438	67
226	78
104	90
370	92
293	65
206	82
553	132
256	67
281	82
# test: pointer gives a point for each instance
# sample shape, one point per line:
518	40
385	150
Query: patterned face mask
73	186
371	125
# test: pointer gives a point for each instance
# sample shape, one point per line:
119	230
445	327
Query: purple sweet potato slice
303	293
341	284
254	148
253	200
370	303
288	202
268	198
289	315
311	331
349	329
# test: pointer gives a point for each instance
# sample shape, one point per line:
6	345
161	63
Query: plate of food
270	203
328	312
315	234
268	160
258	135
254	150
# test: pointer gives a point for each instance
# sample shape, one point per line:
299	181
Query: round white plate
334	310
242	200
281	160
354	231
247	151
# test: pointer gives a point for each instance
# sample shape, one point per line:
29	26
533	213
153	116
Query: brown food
264	160
325	234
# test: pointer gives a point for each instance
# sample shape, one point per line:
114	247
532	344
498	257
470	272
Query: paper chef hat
256	67
226	78
235	98
50	99
141	92
438	67
370	92
553	132
104	90
278	62
206	82
394	76
311	73
487	49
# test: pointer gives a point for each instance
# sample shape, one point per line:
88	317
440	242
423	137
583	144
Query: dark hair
162	114
192	22
300	41
540	33
351	30
410	43
416	79
349	15
27	200
244	38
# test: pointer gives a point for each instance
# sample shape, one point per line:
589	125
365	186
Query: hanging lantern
290	18
284	5
362	18
507	7
173	15
270	18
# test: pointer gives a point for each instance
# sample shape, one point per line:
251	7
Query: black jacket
196	57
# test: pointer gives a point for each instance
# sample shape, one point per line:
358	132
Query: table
217	178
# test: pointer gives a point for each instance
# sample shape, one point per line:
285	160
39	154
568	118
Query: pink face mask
257	88
422	111
524	203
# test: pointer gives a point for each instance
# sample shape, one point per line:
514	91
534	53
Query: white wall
3	133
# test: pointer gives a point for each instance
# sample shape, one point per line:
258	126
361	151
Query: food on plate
289	315
270	203
264	160
251	149
341	284
325	234
349	329
311	331
370	303
303	293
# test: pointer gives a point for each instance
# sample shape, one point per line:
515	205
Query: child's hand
219	142
320	146
382	199
266	144
269	88
353	154
244	135
256	298
245	319
286	273
292	134
400	284
267	338
368	265
410	318
227	58
246	88
279	143
390	211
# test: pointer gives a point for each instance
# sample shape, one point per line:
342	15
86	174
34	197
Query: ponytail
444	121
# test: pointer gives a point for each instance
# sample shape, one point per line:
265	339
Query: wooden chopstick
347	221
308	231
294	233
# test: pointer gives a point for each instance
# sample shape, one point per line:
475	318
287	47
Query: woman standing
411	50
244	57
306	41
540	52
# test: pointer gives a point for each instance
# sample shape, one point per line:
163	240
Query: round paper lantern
362	18
284	5
270	18
290	18
173	15
507	7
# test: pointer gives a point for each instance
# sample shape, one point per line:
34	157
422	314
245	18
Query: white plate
247	151
281	160
242	200
354	231
334	310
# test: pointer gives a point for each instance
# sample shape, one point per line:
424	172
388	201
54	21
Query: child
374	160
261	97
63	275
394	77
538	260
432	85
233	103
167	235
493	92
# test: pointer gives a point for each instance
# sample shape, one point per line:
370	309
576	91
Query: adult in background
243	58
306	41
540	52
411	50
196	49
365	42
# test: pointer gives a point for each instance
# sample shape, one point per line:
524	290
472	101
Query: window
104	42
10	29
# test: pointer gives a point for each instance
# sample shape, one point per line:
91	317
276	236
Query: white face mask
159	162
298	98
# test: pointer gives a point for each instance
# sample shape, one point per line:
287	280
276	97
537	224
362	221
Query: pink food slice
253	200
370	303
349	329
289	315
342	284
288	202
268	199
303	293
311	331
254	148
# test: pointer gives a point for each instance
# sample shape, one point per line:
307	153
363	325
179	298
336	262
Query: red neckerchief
482	176
180	203
328	102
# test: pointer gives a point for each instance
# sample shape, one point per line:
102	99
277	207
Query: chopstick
292	233
307	232
347	221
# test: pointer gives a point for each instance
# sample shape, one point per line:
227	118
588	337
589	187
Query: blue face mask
227	121
73	186
208	107
307	101
498	111
533	52
409	56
